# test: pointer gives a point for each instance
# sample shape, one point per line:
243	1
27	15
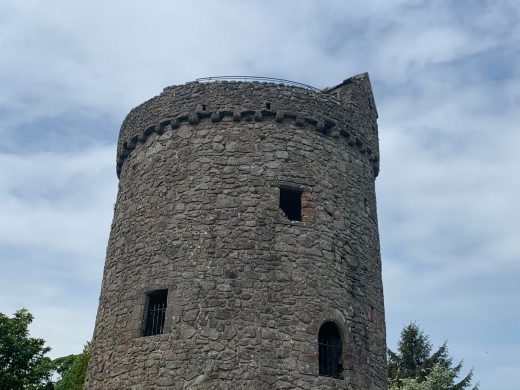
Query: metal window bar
330	356
155	317
256	78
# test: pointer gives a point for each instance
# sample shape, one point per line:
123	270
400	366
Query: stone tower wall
197	213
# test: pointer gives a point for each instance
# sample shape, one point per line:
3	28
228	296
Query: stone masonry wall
197	213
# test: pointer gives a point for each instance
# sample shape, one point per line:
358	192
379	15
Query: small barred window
155	314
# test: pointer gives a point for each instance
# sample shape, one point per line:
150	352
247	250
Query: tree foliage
415	367
72	370
23	364
439	378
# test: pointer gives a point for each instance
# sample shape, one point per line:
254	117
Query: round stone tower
244	250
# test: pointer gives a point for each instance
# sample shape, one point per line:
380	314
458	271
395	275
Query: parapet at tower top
272	80
256	78
345	110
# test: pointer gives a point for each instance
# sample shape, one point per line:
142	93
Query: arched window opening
329	341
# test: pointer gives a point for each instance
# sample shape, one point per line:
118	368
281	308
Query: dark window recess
291	203
268	106
203	107
329	341
155	312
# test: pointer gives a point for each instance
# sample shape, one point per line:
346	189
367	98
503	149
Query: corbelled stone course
328	127
197	213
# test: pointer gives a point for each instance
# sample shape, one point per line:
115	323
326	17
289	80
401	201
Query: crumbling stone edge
327	127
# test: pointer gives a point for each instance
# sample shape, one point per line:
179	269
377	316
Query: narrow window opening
268	106
372	314
291	203
329	342
155	315
203	107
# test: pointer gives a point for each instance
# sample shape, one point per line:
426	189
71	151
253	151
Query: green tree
439	378
72	370
23	364
415	367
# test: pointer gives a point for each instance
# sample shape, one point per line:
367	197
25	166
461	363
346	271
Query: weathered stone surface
198	213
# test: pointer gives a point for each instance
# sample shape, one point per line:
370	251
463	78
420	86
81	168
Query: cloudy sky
446	78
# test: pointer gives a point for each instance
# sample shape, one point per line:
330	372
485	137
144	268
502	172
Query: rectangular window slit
291	203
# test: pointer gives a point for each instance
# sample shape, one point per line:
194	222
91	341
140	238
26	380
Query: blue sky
446	78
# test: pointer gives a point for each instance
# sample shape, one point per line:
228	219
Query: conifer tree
415	367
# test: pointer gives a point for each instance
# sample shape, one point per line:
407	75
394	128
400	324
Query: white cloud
57	202
446	80
56	211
